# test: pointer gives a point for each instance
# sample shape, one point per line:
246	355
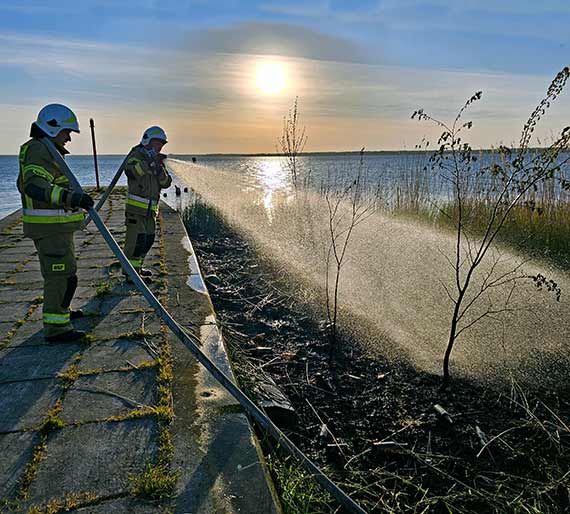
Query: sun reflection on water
273	181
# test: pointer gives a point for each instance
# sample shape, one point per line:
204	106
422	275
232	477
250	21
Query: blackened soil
386	444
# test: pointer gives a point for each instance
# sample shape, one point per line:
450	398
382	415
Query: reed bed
539	226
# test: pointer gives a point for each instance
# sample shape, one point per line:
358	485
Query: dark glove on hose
157	166
82	200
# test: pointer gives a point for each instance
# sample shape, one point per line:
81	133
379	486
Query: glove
82	200
157	166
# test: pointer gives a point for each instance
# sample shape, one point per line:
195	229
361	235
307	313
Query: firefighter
147	175
50	217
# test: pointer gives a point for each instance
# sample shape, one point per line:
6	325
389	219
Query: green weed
156	483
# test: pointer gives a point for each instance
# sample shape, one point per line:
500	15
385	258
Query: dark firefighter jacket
146	177
45	193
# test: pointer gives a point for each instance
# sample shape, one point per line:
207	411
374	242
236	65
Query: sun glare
270	78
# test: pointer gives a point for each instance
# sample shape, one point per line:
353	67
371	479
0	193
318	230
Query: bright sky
220	75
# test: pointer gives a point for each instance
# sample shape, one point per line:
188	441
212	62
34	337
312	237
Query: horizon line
274	154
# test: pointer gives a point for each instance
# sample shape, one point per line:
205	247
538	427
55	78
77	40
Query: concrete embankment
126	421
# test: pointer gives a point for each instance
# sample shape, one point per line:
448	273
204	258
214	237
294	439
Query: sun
270	78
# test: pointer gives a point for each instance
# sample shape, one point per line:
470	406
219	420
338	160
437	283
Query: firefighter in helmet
146	176
51	214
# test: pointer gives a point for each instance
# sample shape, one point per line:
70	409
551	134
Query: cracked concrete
99	398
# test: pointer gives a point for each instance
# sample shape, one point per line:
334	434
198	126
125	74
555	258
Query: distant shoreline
304	154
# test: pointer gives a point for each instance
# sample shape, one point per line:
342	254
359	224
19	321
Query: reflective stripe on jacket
141	202
51	216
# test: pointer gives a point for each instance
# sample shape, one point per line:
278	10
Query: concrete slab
153	255
227	476
213	395
29	334
88	257
93	259
125	304
5	245
118	287
118	353
5	328
14	284
117	325
20	251
16	294
220	466
32	265
89	306
28	276
16	258
16	451
98	397
114	452
92	275
24	405
11	221
122	506
18	238
214	449
87	323
32	362
7	267
14	311
84	290
98	246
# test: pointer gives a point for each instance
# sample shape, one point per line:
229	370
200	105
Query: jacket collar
61	149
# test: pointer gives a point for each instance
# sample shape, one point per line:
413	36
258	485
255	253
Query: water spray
191	341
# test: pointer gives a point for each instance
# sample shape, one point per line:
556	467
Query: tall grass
539	226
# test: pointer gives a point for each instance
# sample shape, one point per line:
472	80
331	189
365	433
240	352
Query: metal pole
191	342
92	125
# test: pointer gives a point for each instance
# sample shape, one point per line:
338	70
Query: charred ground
505	451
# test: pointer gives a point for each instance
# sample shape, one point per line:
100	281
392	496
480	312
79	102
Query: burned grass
372	422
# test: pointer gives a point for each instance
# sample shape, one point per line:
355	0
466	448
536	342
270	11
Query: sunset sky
359	69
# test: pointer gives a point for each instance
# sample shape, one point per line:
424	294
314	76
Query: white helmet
54	118
153	133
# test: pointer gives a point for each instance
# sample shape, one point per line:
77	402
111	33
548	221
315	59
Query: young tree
347	207
292	141
504	186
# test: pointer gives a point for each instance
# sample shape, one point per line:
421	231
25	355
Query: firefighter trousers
139	238
59	271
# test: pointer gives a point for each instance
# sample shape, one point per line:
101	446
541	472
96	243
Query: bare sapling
292	141
347	208
483	197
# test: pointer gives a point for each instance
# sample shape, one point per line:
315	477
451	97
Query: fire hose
191	341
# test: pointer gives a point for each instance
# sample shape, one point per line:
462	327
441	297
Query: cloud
205	90
298	9
30	40
30	8
56	60
274	39
476	19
